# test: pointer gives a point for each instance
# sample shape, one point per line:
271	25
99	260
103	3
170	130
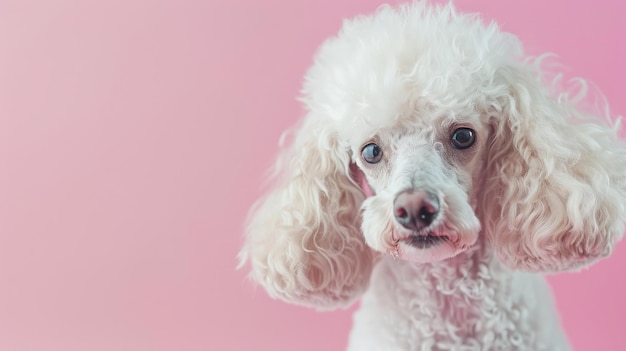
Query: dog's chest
442	307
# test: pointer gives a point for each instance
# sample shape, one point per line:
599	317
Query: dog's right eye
372	153
463	138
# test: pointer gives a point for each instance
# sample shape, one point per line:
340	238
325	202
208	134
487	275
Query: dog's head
458	141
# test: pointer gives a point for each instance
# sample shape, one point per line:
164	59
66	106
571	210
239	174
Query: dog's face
424	179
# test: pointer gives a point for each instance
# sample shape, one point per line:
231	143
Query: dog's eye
372	153
463	138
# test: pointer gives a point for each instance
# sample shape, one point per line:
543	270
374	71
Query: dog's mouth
425	240
431	244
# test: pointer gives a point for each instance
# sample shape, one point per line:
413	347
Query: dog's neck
478	263
455	290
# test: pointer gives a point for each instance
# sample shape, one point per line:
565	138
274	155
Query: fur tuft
304	240
557	181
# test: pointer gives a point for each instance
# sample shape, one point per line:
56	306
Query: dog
436	175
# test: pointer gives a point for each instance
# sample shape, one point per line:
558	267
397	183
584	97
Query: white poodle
433	176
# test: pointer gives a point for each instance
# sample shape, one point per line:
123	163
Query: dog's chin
431	246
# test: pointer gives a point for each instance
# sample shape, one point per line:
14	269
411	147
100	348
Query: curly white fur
543	188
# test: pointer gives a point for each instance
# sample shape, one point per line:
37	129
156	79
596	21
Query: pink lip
425	233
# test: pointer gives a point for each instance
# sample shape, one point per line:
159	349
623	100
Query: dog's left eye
463	138
372	153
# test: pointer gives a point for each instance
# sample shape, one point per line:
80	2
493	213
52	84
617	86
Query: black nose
415	209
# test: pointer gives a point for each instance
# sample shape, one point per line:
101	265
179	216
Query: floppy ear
304	239
556	192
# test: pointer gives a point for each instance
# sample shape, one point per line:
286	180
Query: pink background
133	138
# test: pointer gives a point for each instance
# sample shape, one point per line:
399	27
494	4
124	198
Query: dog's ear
555	198
304	239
